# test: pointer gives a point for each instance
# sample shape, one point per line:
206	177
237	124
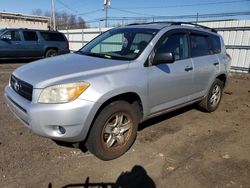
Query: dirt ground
186	148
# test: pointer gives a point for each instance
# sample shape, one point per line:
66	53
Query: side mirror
163	58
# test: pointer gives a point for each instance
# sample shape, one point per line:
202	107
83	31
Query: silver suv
123	77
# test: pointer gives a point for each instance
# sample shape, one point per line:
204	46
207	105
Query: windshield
1	31
122	43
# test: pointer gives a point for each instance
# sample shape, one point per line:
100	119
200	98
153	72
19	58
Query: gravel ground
185	148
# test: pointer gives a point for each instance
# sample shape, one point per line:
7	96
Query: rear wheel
50	53
211	102
113	131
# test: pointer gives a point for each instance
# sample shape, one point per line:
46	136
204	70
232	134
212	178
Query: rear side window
199	45
30	35
216	45
48	36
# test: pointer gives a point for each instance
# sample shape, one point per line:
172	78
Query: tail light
67	45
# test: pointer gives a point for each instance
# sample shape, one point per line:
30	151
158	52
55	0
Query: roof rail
193	24
178	23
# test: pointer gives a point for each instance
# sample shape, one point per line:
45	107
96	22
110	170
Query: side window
52	36
30	36
199	45
216	45
12	35
176	44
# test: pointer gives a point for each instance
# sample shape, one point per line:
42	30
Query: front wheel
211	102
113	131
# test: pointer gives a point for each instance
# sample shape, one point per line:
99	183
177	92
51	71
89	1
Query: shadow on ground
137	177
165	117
141	127
14	61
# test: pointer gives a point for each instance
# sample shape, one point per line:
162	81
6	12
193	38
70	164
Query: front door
171	84
10	44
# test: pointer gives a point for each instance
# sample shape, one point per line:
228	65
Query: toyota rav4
99	94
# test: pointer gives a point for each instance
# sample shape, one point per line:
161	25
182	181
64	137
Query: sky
93	9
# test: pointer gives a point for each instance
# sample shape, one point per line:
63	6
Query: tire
50	53
113	131
211	102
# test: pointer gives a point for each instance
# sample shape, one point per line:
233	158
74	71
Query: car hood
66	68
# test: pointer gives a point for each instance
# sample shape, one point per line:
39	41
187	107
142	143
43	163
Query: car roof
25	29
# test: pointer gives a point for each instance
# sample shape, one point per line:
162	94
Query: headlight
62	93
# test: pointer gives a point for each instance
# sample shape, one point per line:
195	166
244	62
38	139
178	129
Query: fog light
61	130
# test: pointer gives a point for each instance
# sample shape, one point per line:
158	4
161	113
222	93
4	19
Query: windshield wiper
106	56
97	55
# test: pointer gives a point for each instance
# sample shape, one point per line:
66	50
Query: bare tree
37	12
63	19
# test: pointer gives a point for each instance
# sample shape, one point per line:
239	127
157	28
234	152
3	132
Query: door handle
216	63
18	43
188	69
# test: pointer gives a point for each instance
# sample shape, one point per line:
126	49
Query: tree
37	12
63	19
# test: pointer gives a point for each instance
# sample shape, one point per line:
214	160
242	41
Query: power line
66	6
193	16
185	5
131	12
226	14
90	12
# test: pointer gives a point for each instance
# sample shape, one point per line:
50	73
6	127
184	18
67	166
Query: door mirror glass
163	58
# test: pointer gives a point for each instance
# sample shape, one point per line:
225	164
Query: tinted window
199	45
176	44
12	35
48	36
30	35
216	46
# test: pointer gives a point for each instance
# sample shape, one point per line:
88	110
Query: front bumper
44	119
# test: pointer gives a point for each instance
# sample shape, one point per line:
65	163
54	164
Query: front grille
22	88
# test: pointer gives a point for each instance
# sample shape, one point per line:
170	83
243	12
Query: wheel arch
223	78
130	97
50	48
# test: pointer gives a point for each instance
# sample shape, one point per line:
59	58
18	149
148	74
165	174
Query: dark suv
29	43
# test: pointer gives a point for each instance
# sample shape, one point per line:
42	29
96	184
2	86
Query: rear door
31	45
206	63
10	44
171	84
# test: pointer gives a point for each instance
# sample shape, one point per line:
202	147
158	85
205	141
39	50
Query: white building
15	20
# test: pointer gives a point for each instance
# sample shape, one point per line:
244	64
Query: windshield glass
122	43
1	31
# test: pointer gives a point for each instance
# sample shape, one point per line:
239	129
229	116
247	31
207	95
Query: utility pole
106	6
53	15
197	18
